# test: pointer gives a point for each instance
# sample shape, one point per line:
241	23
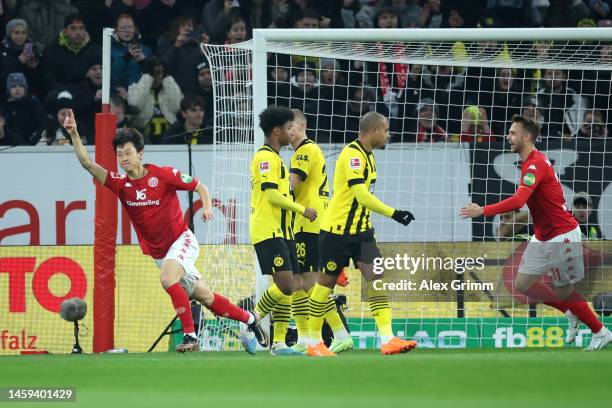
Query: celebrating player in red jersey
148	194
556	245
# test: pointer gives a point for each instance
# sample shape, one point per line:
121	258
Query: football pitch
422	378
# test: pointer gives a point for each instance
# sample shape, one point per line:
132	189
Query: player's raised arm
92	167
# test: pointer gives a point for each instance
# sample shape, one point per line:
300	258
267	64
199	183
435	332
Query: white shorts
560	256
185	250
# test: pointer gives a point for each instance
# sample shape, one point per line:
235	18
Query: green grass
420	379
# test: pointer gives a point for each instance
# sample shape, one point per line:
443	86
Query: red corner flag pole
105	222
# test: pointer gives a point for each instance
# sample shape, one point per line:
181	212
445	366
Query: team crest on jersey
153	182
186	178
331	265
264	167
278	261
355	163
532	167
529	179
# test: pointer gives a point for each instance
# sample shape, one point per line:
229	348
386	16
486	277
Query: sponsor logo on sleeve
355	163
117	175
186	178
529	179
264	167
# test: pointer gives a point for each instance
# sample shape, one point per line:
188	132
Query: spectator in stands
54	133
474	126
431	14
503	103
600	9
583	211
119	107
127	52
446	86
8	10
333	84
514	226
179	49
18	53
428	129
190	128
23	114
462	13
532	112
329	11
216	10
562	106
256	12
87	98
157	98
284	13
206	90
365	17
387	17
566	13
159	15
346	126
408	11
46	18
236	31
593	125
63	60
279	89
305	88
7	136
309	18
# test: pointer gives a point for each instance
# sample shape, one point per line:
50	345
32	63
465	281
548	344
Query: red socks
182	307
222	307
575	303
580	308
541	292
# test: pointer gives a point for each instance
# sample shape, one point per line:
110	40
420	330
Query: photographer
127	52
592	125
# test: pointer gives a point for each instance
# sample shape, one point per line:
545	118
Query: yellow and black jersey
345	215
268	221
308	163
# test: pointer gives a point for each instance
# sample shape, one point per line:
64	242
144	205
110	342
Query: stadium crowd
50	61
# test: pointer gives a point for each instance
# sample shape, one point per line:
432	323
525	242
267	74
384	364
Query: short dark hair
129	135
274	116
191	100
529	126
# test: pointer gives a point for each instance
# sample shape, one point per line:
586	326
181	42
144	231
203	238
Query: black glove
403	217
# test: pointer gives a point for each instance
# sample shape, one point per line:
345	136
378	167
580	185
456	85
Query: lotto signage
35	280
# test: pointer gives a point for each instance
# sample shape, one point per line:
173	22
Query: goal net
450	97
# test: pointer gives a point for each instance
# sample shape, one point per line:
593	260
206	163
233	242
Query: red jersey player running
556	245
148	194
